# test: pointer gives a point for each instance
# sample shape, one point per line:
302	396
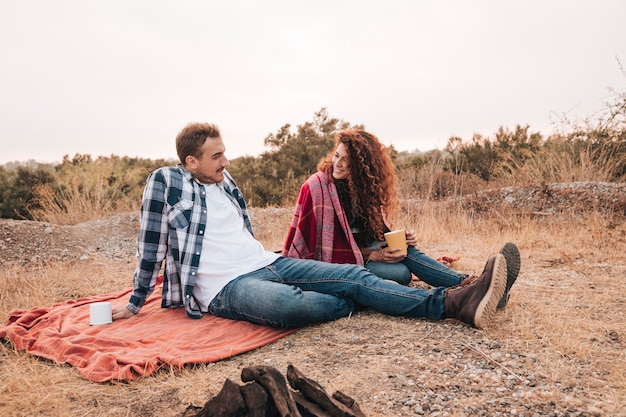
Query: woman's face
340	163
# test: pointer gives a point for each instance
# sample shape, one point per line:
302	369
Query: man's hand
121	313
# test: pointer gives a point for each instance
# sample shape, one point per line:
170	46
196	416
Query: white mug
100	313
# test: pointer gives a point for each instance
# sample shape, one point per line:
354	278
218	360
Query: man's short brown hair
192	137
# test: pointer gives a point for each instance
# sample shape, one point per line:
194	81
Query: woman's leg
430	270
397	272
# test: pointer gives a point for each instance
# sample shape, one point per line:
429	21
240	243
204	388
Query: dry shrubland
557	349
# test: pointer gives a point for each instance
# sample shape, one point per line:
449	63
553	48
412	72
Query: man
194	218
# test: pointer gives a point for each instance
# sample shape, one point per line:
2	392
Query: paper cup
100	313
396	240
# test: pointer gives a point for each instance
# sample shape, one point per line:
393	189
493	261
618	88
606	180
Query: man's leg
287	294
260	298
473	302
360	285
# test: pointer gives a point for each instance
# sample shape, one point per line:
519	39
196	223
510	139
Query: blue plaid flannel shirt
172	226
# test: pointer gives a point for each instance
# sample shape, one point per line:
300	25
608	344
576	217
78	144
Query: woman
342	211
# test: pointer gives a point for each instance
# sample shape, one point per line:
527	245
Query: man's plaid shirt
172	226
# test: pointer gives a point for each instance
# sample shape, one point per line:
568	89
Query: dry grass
85	196
565	326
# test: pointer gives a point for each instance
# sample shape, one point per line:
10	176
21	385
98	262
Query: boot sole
487	306
513	264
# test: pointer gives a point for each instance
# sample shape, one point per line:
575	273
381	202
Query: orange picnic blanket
127	349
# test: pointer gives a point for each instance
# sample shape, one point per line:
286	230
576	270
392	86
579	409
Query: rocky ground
522	367
27	242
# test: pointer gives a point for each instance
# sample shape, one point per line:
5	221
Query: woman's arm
386	254
301	237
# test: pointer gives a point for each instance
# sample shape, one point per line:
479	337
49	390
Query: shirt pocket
180	214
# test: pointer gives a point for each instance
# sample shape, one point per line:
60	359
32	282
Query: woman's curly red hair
371	179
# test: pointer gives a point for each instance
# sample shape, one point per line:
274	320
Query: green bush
81	189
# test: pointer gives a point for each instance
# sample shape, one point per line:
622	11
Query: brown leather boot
474	301
513	263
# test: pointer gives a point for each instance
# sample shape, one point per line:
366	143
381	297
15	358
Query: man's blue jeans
297	292
429	270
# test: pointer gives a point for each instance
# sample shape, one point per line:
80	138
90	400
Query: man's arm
151	246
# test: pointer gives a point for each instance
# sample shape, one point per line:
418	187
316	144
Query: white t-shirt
228	248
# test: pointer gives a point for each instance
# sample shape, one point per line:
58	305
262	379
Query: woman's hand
411	237
387	255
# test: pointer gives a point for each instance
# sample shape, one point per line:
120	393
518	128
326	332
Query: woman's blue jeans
429	270
299	292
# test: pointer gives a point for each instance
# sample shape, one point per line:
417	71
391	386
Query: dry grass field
558	349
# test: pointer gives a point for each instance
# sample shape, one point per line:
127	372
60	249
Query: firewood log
307	408
257	401
314	392
349	402
276	385
228	402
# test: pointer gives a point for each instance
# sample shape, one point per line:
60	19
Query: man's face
209	167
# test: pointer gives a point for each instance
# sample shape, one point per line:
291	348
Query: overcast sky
123	77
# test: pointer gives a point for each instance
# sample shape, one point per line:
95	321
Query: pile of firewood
266	394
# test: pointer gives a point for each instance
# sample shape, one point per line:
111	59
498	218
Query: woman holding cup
342	215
